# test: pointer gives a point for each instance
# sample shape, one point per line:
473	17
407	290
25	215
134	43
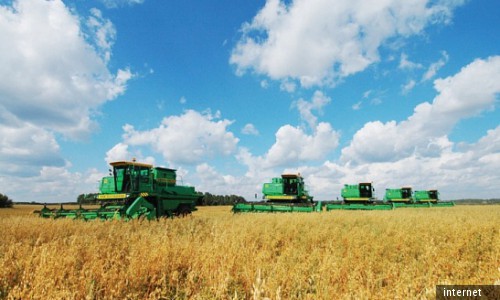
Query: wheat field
214	254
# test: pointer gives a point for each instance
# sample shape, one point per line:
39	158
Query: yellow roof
289	175
130	163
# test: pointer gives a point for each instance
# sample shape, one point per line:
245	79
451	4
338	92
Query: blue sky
232	93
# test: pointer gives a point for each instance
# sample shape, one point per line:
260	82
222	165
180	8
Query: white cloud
249	129
373	97
119	152
295	144
186	139
51	184
211	180
306	108
288	86
434	67
409	86
104	33
120	3
466	94
318	43
367	94
292	146
51	76
357	105
406	64
25	147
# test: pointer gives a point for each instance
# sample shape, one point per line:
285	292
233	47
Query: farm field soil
214	254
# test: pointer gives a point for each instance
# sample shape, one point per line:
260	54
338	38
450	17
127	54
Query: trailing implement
285	194
359	197
136	190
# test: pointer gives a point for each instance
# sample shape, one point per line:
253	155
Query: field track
214	254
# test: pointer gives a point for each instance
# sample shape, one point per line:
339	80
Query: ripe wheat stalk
214	254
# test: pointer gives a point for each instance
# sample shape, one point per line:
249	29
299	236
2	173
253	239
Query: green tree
86	199
5	201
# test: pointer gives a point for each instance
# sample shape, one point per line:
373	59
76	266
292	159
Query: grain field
214	254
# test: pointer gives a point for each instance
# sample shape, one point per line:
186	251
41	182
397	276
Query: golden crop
214	254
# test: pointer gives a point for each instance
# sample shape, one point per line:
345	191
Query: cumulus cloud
466	94
250	129
185	139
52	184
51	75
119	152
25	147
318	43
213	181
293	144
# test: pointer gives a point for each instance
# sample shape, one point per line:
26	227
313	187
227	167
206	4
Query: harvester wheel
183	211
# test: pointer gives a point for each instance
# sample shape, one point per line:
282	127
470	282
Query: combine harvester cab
136	190
359	197
430	198
285	194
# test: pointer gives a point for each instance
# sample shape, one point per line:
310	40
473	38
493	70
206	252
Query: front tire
183	211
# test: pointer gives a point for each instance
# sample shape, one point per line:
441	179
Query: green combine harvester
359	197
404	197
285	194
135	191
431	198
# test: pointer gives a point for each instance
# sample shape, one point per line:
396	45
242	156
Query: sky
233	92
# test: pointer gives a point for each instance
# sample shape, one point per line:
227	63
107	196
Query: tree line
209	199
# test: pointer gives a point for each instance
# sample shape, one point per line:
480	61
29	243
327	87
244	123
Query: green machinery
359	197
285	194
431	198
135	191
404	197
